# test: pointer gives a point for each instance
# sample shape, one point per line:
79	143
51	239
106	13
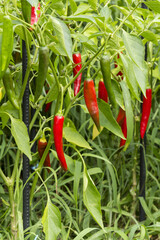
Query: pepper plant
96	197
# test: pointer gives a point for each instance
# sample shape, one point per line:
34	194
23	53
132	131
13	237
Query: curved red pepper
77	61
102	91
91	101
58	139
124	130
146	109
42	143
121	116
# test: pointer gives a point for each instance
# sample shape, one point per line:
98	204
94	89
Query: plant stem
3	176
121	24
82	69
40	167
13	215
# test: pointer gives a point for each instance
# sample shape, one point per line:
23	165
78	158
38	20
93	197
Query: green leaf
154	5
82	8
63	35
107	120
73	6
150	36
135	48
51	221
130	76
92	198
83	18
20	134
71	135
93	3
141	76
146	209
129	113
105	12
117	93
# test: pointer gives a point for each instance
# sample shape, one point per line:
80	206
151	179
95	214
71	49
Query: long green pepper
106	72
7	44
9	88
42	71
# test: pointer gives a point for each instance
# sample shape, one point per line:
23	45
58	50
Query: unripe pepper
42	144
77	61
91	101
9	88
6	44
102	92
42	70
106	72
146	109
124	130
58	139
121	116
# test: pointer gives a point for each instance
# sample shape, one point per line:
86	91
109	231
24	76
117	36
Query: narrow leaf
20	134
93	3
92	198
129	113
63	35
107	120
51	221
71	135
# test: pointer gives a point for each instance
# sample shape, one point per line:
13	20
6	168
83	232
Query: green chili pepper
106	72
42	71
26	10
9	88
7	44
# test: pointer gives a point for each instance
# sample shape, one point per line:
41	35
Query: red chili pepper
102	91
47	107
121	116
91	101
124	130
146	109
77	61
42	143
34	16
58	139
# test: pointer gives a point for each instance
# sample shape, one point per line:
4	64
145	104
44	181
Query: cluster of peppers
105	92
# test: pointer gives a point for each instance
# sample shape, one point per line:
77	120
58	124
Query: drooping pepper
121	116
106	72
146	109
42	70
124	130
58	139
9	88
91	101
77	61
42	144
102	92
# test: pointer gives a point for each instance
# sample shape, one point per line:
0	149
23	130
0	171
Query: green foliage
98	197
